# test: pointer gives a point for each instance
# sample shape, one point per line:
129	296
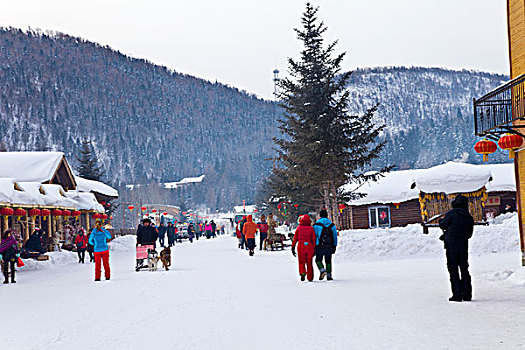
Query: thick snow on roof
29	166
394	187
85	201
186	180
85	185
503	177
55	195
452	177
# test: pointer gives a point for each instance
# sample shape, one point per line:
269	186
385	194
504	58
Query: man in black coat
162	233
147	234
458	226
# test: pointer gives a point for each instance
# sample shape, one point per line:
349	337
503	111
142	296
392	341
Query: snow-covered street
216	297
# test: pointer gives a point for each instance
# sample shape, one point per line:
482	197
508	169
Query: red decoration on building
96	216
34	212
75	213
511	143
66	213
45	212
396	205
165	213
131	207
485	147
103	216
7	211
153	210
20	212
143	208
56	212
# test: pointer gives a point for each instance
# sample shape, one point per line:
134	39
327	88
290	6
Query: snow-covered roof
185	181
85	201
29	166
55	195
394	187
85	185
503	177
452	177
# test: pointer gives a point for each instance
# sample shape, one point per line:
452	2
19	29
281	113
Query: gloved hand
333	250
293	251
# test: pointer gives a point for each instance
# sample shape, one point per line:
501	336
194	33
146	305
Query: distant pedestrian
249	229
207	229
241	227
162	233
458	226
326	244
81	243
213	229
99	238
191	232
172	233
305	237
263	231
9	252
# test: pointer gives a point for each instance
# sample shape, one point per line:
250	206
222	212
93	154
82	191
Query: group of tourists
170	230
246	230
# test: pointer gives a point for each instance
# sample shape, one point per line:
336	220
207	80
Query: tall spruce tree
88	166
323	146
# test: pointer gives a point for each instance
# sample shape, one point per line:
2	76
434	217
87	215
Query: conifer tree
88	166
323	146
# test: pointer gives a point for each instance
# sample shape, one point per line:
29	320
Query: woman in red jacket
305	237
81	242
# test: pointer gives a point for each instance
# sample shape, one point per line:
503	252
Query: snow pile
63	257
123	243
402	242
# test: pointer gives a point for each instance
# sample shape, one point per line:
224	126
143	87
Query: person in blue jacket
99	239
326	243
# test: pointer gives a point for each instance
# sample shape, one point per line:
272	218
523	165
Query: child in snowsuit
263	230
9	252
326	244
305	237
249	229
99	238
81	243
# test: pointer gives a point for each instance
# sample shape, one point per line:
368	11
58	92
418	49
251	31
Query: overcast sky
240	42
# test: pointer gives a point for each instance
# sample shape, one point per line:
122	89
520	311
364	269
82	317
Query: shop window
379	217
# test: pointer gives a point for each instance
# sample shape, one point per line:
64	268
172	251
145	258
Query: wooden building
416	196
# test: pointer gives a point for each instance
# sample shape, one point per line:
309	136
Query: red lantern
103	216
7	211
511	143
96	216
46	212
153	210
183	213
34	212
66	213
75	213
279	206
143	208
56	212
165	213
397	205
20	212
485	147
296	205
131	207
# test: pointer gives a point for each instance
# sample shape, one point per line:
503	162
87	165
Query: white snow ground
216	297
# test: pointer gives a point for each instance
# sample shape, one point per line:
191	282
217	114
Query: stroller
142	255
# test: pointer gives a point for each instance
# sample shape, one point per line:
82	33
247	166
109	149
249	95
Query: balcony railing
496	112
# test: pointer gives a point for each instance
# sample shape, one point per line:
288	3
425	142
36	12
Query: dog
165	257
153	260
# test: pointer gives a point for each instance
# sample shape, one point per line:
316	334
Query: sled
142	255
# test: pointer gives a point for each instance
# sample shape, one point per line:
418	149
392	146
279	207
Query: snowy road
216	297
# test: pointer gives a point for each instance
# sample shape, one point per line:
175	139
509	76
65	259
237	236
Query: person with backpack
305	237
458	226
99	238
326	244
81	242
263	230
249	229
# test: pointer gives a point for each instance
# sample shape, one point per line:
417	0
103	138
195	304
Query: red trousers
104	256
305	253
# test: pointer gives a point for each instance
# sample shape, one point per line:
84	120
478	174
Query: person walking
458	226
191	232
249	229
9	253
262	226
244	245
81	242
213	229
147	234
326	244
305	237
162	234
207	229
172	233
99	238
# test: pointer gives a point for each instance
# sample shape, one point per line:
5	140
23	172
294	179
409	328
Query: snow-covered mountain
151	124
